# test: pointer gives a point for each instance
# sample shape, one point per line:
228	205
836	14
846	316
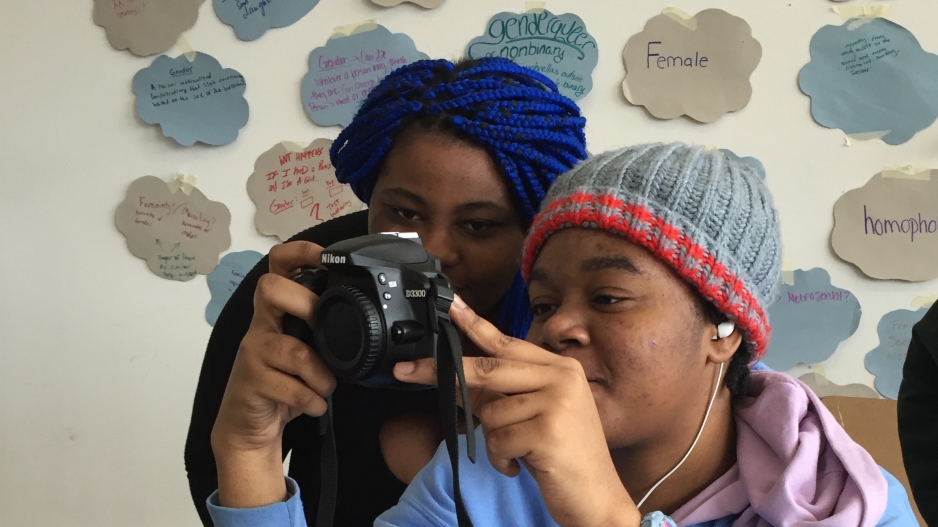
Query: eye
479	226
541	309
606	300
407	214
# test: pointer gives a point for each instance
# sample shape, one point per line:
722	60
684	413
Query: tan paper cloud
145	27
823	387
889	227
294	188
427	4
696	66
178	235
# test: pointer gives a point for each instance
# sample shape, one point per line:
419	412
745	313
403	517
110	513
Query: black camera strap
449	370
328	470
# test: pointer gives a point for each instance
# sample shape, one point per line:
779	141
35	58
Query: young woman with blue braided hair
460	153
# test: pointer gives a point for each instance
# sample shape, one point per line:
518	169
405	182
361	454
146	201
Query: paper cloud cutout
556	45
889	227
751	161
810	320
426	4
875	78
347	68
250	19
145	27
178	235
225	278
823	387
886	361
192	101
294	188
699	66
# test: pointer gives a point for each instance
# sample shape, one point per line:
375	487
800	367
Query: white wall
99	357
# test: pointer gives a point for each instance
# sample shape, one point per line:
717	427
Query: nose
440	243
564	330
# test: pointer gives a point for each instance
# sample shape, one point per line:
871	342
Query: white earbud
724	330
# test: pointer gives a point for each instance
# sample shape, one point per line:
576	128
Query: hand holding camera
274	378
383	300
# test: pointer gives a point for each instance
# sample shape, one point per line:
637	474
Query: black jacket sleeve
918	415
230	328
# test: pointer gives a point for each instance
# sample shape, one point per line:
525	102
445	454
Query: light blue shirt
490	498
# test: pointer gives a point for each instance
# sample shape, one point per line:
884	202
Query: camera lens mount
351	339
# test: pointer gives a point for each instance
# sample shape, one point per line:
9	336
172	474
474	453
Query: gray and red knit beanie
709	217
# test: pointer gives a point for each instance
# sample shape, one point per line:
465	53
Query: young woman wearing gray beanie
631	403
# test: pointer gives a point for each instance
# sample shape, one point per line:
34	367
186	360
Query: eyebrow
462	207
537	275
405	194
602	263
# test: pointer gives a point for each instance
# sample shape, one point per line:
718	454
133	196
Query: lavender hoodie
796	466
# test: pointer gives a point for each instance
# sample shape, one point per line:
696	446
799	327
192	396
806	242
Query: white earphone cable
691	449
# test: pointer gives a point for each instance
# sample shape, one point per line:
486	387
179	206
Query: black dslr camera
384	300
379	304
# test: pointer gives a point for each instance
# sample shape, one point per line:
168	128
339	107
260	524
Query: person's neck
640	468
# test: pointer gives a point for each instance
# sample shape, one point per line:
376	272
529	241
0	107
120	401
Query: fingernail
405	368
458	303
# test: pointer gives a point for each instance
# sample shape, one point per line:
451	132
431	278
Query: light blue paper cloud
225	278
556	45
192	101
346	69
250	19
810	320
751	161
886	361
875	78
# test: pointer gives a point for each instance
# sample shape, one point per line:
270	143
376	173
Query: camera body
379	304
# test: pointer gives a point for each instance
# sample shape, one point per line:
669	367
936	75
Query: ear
722	343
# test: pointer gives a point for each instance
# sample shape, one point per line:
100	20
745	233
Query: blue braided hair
517	114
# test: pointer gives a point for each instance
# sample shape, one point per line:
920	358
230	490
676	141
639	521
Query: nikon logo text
332	259
415	293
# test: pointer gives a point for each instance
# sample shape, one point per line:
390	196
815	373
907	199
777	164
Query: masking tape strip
534	6
850	12
852	139
924	301
788	273
292	147
357	27
186	48
183	182
680	17
819	369
907	172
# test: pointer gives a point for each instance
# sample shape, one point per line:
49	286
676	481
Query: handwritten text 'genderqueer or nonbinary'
558	46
